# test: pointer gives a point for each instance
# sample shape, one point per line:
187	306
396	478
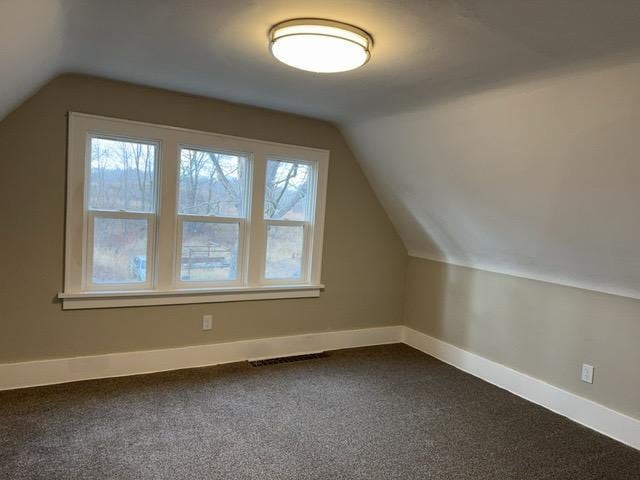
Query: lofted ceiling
424	49
497	133
540	178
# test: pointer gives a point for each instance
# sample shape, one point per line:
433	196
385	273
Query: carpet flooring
387	412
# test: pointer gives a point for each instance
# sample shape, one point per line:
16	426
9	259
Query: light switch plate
207	322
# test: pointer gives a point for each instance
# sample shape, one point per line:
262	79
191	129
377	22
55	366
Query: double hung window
163	215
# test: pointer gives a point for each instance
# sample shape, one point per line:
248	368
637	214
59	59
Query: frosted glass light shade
322	46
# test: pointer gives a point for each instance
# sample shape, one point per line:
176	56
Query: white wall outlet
207	322
587	373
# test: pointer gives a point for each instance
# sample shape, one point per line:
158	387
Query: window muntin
134	218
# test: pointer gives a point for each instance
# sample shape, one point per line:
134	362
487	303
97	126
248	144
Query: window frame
242	221
307	224
91	214
163	283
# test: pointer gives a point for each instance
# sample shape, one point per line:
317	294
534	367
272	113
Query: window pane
209	251
122	175
287	190
212	183
119	250
284	251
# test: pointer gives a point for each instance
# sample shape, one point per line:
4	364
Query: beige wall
363	265
541	329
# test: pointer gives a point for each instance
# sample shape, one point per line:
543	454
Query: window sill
114	299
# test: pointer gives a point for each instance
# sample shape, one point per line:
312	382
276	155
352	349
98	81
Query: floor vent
291	359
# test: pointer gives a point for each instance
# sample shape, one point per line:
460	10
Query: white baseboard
614	424
47	372
591	414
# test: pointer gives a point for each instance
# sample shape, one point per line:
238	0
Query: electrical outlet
207	322
587	373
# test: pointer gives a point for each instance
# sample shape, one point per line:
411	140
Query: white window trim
162	286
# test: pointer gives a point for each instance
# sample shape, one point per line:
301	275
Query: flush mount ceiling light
322	46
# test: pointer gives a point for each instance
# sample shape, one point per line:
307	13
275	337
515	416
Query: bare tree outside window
286	190
212	183
154	208
122	175
122	179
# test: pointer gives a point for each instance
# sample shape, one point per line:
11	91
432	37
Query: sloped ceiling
499	134
538	179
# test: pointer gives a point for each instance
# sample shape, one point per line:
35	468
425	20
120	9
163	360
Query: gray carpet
386	412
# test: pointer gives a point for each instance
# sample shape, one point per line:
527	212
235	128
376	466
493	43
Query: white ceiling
424	49
464	175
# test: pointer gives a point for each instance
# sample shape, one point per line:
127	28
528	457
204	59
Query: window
287	210
120	213
162	215
212	206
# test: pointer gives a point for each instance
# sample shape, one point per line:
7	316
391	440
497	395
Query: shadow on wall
464	307
434	295
600	237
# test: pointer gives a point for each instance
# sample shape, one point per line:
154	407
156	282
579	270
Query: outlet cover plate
587	373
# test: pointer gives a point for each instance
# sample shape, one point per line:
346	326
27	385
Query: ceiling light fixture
321	46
